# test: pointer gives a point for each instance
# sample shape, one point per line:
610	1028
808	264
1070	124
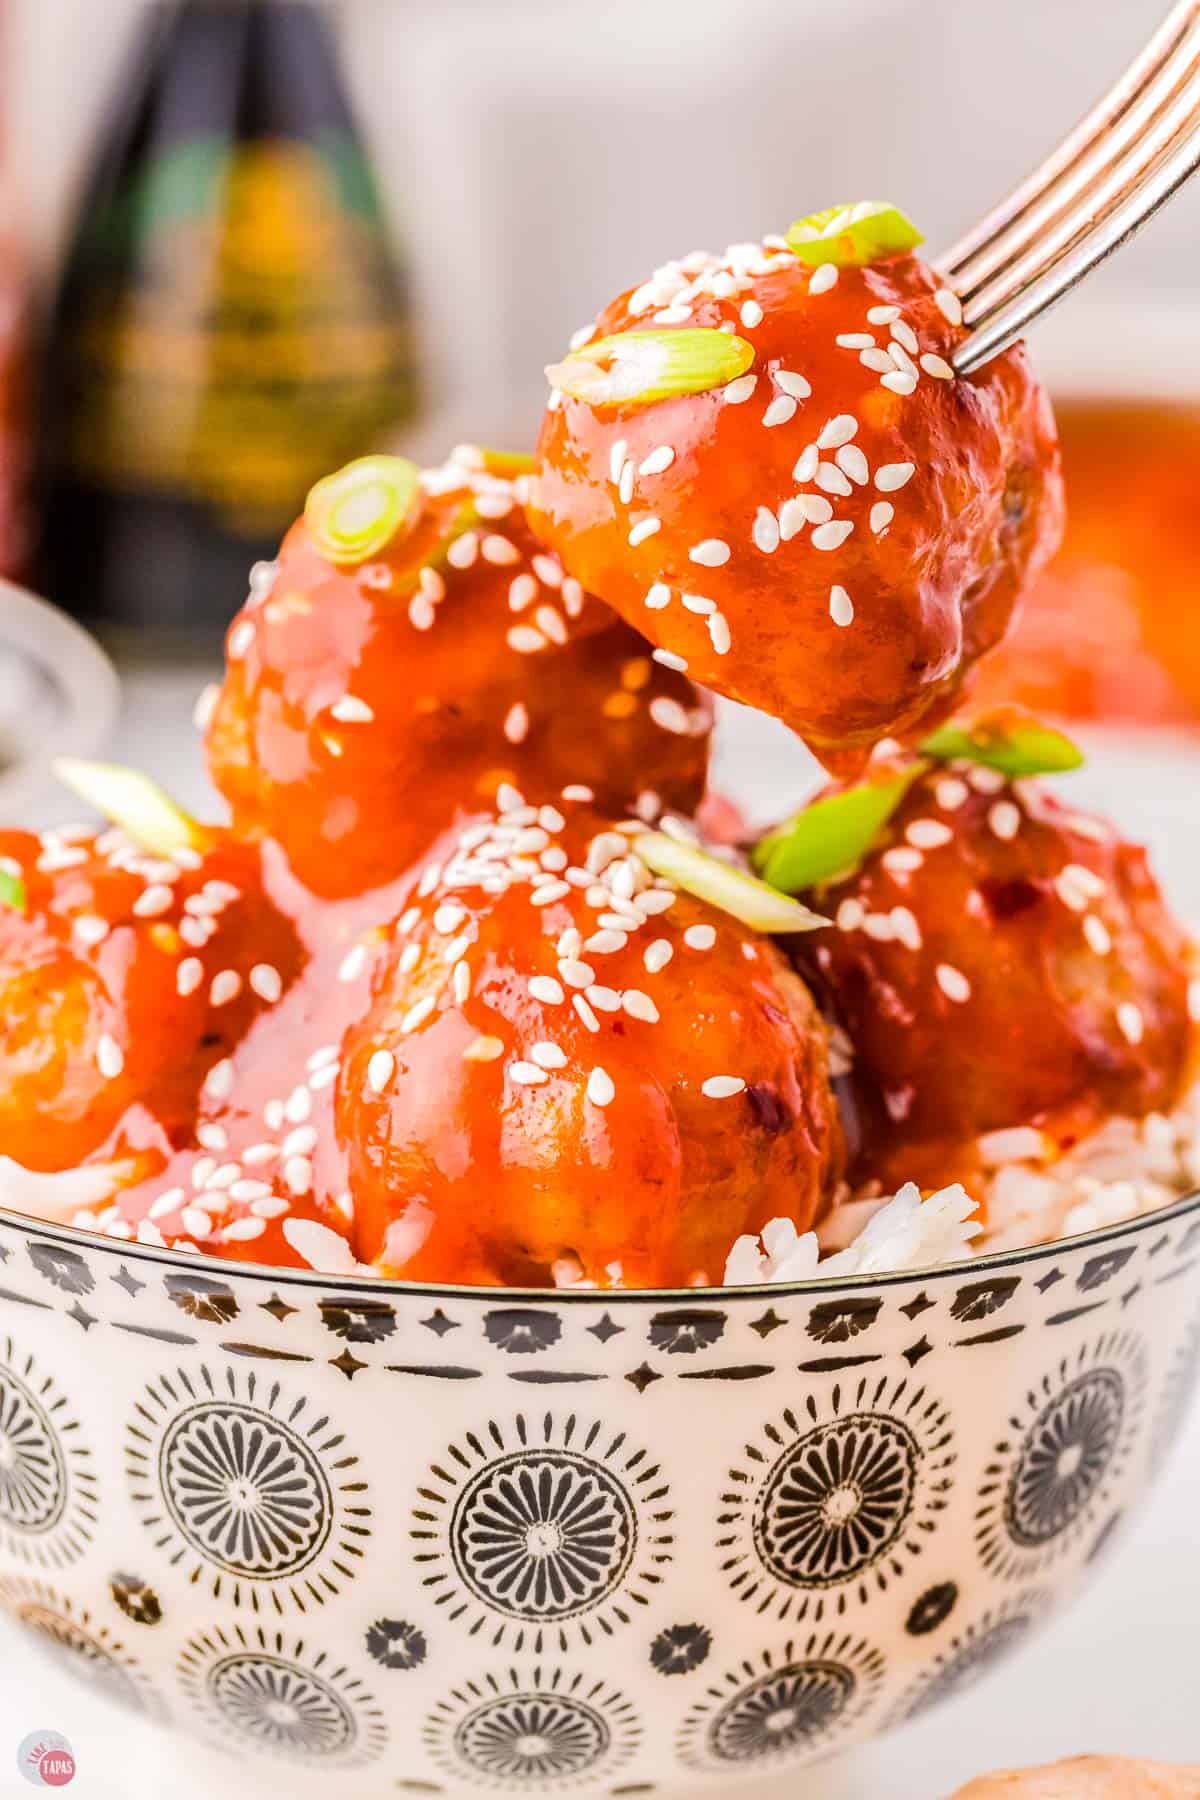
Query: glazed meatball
829	525
574	1073
998	959
1090	1778
368	702
123	978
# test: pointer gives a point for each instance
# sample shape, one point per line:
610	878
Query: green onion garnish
135	803
729	889
355	513
830	837
851	236
1015	747
12	890
636	368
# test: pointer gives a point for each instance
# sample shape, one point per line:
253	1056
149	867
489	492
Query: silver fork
1126	157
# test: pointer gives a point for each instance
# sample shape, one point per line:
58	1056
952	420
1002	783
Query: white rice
1124	1169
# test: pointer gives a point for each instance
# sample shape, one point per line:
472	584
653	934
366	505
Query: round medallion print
1178	1393
47	1484
1055	1477
248	1486
790	1706
81	1644
281	1697
542	1529
972	1653
830	1503
540	1730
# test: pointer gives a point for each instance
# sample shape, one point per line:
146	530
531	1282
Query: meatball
1090	1778
998	959
368	702
574	1073
829	525
123	978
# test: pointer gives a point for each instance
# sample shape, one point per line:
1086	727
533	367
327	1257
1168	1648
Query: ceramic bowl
457	1539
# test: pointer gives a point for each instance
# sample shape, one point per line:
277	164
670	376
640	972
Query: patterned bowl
471	1539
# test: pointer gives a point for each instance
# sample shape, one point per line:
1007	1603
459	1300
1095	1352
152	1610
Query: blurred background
240	243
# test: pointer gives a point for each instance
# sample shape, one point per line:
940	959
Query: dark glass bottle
230	323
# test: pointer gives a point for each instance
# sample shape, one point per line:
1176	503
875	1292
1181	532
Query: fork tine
1110	109
1007	321
1125	140
1127	176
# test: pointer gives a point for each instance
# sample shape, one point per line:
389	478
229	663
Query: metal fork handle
1112	173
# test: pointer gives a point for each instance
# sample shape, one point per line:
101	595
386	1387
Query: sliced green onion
135	803
830	837
731	890
12	890
636	368
851	236
352	515
1015	747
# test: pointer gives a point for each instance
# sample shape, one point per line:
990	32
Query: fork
1123	160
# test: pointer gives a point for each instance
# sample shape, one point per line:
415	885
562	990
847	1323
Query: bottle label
242	330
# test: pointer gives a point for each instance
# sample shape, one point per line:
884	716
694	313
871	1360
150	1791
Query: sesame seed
949	305
950	792
499	550
882	315
766	531
604	999
483	1049
700	937
462	983
523	590
878	361
548	569
110	1058
297	1174
645	530
525	640
380	1070
266	982
526	1074
719	633
1004	819
196	1223
792	383
585	1012
166	1203
226	986
546	989
188	976
806	464
639	1006
881	516
448	917
937	366
792	518
722	1087
1070	893
350	710
856	340
600	1088
616	459
837	431
420	613
697	603
710	553
576	974
669	660
153	900
212	1136
853	463
218	1083
900	382
410	956
417	1015
751	314
984	780
904	334
605	942
823	279
737	391
832	535
1097	934
463	550
669	715
841	607
779	411
901	860
831	479
625	485
657	596
548	1056
850	915
516	723
239	640
1131	1023
953	982
206	705
88	929
657	955
928	834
